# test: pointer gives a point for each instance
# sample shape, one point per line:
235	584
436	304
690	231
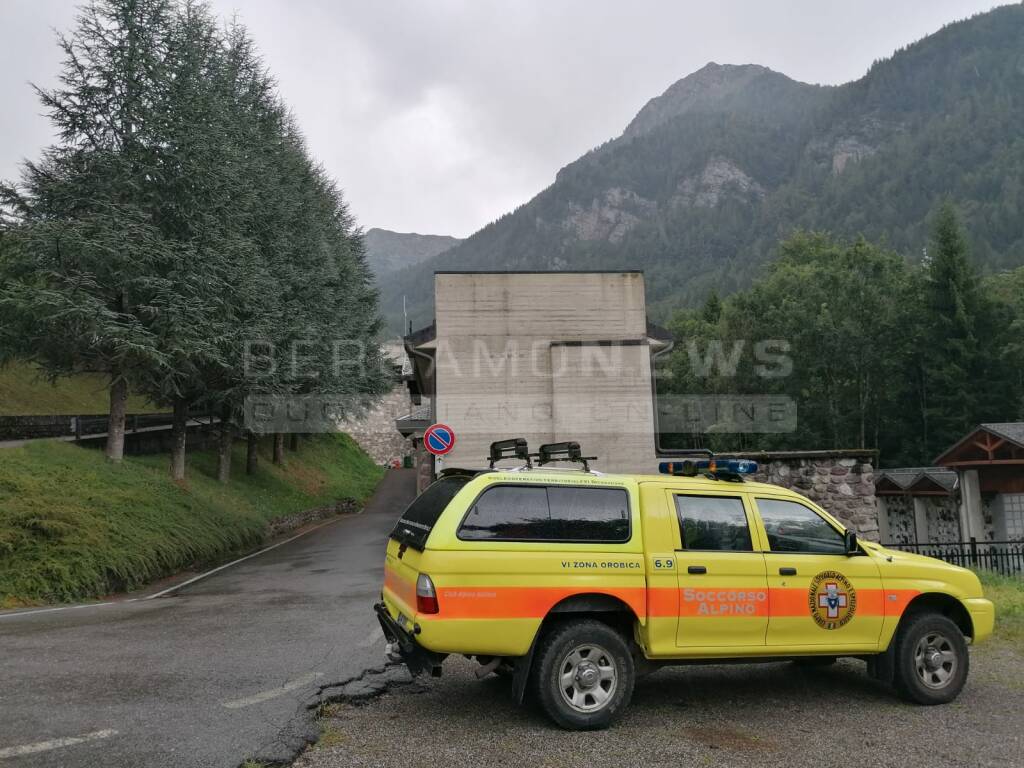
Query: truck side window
557	513
589	514
417	521
792	527
716	523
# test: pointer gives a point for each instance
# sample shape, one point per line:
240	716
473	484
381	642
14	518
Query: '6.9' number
662	563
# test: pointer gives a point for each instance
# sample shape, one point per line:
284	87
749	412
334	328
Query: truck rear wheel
584	674
931	659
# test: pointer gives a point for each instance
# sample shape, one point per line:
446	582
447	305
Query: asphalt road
221	671
725	715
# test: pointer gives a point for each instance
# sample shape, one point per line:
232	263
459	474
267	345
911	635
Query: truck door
723	587
818	595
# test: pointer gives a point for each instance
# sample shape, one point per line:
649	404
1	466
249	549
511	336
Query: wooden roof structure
986	446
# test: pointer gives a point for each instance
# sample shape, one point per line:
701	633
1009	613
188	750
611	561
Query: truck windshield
415	524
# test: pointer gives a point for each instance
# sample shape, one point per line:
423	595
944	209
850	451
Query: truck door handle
696	569
787	571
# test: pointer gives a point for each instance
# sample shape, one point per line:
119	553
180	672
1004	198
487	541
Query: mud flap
521	676
882	666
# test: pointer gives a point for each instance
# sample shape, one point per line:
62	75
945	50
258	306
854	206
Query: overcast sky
438	116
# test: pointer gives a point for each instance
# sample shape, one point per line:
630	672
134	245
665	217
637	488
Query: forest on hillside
877	354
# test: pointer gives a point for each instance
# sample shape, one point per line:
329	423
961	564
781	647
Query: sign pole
438	439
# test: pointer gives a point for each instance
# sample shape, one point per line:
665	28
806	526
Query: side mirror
850	542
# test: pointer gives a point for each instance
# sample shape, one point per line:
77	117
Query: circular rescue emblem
832	600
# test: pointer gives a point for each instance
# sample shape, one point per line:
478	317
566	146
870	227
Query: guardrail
1005	557
36	427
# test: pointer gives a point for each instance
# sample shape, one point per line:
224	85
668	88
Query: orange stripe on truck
896	600
403	590
481	602
773	601
795	601
522	602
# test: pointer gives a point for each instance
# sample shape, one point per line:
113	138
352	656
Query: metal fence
1005	557
84	426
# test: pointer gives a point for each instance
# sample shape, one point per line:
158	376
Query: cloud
440	116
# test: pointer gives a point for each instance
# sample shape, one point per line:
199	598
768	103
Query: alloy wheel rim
935	660
587	678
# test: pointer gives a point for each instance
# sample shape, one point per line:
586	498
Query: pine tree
179	220
952	304
712	310
92	284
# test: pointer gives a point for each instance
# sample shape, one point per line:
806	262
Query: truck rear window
416	523
548	513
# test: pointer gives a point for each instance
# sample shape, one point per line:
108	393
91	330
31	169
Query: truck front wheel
584	674
931	659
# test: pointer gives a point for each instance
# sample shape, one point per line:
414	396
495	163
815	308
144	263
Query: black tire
932	660
597	662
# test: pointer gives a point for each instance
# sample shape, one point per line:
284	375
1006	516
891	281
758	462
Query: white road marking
46	746
273	693
65	608
194	579
375	636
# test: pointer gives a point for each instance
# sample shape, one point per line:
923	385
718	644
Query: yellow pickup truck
573	582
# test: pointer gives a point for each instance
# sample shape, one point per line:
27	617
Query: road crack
304	728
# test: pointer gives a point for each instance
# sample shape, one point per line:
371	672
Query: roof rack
567	451
516	448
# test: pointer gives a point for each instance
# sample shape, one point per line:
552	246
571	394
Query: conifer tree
712	310
87	268
179	220
952	305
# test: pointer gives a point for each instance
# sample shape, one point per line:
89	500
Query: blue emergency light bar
692	467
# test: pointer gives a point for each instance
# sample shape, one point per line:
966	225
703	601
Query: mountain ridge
709	175
706	88
387	250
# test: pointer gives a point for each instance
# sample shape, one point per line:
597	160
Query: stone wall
376	433
841	482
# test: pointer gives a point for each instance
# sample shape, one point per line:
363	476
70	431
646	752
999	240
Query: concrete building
548	356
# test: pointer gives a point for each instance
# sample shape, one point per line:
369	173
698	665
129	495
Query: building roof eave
1008	432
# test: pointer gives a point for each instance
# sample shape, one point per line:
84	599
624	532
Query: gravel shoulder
723	715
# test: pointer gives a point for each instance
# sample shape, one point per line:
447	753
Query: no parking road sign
439	439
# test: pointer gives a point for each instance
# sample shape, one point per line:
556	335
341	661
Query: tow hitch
402	646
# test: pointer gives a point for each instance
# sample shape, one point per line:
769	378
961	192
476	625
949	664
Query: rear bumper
417	658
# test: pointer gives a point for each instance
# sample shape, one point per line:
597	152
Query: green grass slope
1008	595
25	392
74	526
